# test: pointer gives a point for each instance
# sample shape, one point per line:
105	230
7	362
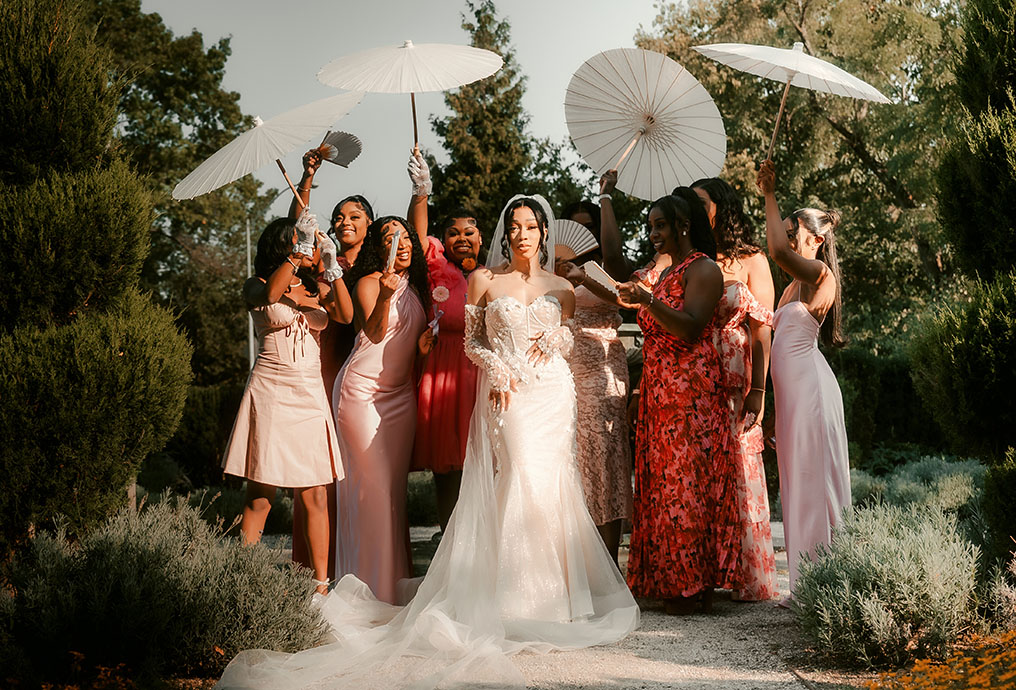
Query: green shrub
965	369
894	584
160	591
224	505
73	268
200	441
865	489
421	499
83	404
997	506
1000	597
92	375
880	406
56	100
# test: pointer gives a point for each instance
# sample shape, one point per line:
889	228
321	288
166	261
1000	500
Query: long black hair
541	221
735	236
371	258
274	247
684	204
823	224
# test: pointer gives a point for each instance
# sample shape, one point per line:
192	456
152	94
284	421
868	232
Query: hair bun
834	218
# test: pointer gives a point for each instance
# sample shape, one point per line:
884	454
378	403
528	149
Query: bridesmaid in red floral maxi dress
686	528
447	387
743	340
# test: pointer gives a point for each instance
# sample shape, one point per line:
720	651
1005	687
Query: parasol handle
416	132
631	145
779	116
291	185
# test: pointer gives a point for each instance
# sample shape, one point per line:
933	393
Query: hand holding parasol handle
291	185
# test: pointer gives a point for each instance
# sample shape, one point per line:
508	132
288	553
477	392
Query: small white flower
440	294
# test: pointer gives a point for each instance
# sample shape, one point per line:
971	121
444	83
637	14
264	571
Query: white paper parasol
792	67
410	68
643	114
267	141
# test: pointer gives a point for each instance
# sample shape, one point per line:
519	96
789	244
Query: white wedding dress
521	566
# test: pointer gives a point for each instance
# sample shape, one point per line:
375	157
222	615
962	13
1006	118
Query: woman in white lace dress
521	566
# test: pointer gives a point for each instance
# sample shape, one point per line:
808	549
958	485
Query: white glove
329	259
306	231
419	173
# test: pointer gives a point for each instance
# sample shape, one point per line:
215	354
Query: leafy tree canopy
874	163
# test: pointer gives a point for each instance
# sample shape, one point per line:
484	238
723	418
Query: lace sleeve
481	355
558	339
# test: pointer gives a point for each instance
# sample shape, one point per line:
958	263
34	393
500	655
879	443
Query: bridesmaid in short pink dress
375	410
811	438
284	434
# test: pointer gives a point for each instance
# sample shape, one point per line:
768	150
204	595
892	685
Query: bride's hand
499	400
535	354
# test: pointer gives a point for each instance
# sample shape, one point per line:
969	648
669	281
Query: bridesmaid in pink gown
811	438
349	220
447	389
375	409
743	340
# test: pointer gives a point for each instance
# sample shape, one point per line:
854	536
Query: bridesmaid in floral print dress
686	529
743	339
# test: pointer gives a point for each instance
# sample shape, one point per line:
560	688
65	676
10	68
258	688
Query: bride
521	566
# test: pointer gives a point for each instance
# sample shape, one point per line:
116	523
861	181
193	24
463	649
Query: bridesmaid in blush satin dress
375	409
811	438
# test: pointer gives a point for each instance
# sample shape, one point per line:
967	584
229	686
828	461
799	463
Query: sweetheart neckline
523	305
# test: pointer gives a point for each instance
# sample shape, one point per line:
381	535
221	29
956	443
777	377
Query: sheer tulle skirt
520	568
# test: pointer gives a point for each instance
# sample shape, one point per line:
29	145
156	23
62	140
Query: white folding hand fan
340	148
572	239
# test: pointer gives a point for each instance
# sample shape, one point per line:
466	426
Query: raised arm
419	173
337	303
809	271
259	293
615	263
311	163
372	299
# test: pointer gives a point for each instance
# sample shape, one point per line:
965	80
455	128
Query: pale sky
278	48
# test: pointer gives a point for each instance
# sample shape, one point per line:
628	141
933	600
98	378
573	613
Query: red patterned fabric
447	387
686	530
756	568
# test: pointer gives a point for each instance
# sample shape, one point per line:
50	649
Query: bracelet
636	392
602	197
760	390
651	300
290	262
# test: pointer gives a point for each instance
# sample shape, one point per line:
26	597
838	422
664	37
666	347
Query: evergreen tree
493	156
486	137
174	113
977	178
965	358
875	163
92	374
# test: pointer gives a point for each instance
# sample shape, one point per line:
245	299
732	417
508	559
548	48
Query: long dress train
521	566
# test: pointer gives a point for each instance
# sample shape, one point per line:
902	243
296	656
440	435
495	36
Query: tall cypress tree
486	137
92	374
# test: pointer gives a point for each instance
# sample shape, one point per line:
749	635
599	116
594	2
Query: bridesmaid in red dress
447	388
743	339
685	530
